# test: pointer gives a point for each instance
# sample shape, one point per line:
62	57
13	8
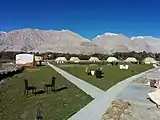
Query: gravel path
89	89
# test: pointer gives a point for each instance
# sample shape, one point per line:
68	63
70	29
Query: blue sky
85	17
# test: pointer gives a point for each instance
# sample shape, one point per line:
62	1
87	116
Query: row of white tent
147	60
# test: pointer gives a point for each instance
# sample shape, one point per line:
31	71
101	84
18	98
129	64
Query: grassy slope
112	74
55	106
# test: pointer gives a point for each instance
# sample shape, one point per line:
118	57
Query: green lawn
54	106
112	74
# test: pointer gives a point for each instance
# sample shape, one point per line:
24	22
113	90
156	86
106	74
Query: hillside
114	42
33	40
119	43
65	41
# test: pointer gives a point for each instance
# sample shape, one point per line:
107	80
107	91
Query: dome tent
74	59
131	59
61	60
149	60
112	59
94	59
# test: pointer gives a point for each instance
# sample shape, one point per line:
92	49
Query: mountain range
65	41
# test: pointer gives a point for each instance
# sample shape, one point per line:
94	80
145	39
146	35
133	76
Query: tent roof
131	59
149	59
74	58
112	58
60	58
94	58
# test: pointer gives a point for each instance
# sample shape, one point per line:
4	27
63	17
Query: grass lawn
54	106
112	74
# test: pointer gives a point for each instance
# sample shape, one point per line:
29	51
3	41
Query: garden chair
52	85
99	73
28	88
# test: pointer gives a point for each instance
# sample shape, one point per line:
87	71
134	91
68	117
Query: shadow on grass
102	76
56	90
59	89
39	92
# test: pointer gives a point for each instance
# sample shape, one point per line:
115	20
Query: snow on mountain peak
138	37
106	34
3	32
64	30
110	34
98	36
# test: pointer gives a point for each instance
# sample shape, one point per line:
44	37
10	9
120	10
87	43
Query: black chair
52	85
89	73
28	88
99	74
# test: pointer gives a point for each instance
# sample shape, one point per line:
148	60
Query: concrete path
89	89
153	75
137	93
96	109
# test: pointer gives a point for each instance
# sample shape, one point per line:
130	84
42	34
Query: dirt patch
117	108
124	110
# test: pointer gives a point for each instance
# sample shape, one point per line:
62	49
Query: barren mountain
36	40
65	41
119	43
146	43
114	42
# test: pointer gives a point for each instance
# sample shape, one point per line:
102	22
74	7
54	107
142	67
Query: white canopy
112	59
74	59
61	59
149	60
131	59
94	59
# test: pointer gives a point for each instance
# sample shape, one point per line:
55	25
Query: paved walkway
89	89
95	109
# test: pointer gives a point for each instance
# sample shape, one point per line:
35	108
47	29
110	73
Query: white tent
94	59
61	60
131	59
74	59
149	60
25	59
112	59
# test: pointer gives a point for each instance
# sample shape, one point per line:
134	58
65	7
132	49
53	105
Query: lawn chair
99	73
52	85
28	88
